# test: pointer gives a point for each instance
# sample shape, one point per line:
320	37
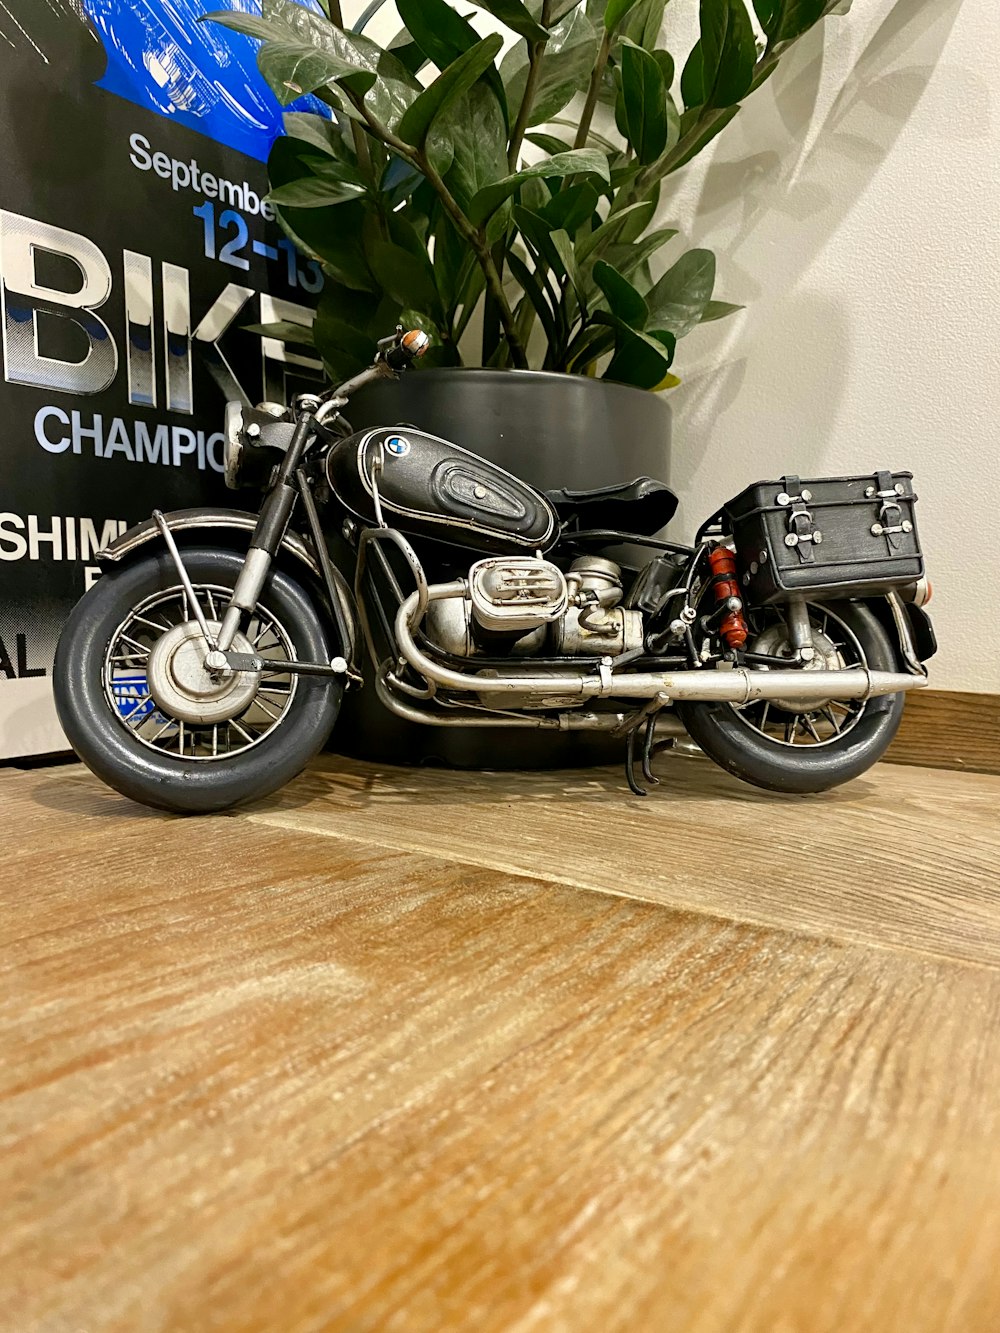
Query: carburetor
595	624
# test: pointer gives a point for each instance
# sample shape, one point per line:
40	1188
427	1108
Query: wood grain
943	729
258	1078
903	857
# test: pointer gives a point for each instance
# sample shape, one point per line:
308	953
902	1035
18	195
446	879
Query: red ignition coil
732	627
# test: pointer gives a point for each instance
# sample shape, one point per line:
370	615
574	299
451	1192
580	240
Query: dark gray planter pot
554	431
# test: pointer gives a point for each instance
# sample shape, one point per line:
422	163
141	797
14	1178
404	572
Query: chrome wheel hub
775	643
183	687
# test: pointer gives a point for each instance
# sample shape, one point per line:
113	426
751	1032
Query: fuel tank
431	488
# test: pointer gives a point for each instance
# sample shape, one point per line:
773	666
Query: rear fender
909	626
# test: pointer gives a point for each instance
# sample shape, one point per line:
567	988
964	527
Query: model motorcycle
208	664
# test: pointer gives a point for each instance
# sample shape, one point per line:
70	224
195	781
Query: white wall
854	205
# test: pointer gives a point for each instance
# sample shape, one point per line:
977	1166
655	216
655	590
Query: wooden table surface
418	1051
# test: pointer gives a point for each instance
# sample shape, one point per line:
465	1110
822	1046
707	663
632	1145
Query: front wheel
142	713
789	748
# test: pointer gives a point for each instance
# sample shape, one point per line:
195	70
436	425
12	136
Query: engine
524	606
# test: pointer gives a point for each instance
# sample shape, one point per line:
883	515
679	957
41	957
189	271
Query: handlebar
406	349
394	355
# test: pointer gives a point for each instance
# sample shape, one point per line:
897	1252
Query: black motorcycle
208	664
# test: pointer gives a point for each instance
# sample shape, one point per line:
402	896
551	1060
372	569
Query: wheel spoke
165	728
265	709
811	728
153	624
139	647
829	714
242	730
136	704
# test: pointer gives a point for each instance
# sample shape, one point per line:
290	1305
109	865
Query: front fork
272	522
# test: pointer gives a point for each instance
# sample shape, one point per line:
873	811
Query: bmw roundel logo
398	446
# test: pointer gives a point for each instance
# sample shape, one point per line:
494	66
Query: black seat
643	506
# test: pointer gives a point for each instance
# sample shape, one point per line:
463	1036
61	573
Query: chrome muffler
735	685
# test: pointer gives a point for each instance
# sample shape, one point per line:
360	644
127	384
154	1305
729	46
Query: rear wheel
141	711
785	747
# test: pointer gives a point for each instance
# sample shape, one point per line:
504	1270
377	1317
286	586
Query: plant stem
593	92
473	235
357	133
536	54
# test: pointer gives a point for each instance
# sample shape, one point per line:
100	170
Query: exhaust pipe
737	686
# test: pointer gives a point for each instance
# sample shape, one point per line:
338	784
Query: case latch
801	535
890	518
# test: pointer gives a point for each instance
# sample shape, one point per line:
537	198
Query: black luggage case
832	537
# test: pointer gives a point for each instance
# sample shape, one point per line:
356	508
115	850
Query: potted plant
510	205
449	185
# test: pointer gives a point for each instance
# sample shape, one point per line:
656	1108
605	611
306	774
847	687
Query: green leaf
478	131
624	302
678	300
579	162
566	68
331	235
293	69
693	78
457	79
642	359
286	331
514	15
791	18
644	25
766	10
628	258
537	235
533	290
571	208
563	245
315	192
318	132
615	11
666	63
441	33
404	277
284	22
251	25
705	134
610	229
729	51
561	8
644	99
718	310
549	142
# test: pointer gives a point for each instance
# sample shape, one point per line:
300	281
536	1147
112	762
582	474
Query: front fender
229	521
183	520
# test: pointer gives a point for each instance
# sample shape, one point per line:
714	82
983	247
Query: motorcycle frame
650	684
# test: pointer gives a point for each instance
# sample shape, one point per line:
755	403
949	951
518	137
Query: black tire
743	751
151	777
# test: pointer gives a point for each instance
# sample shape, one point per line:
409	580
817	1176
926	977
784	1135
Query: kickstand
647	752
630	763
648	715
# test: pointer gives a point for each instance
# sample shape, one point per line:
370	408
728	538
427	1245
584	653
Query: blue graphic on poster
200	74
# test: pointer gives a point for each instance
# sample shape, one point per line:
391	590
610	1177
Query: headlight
232	453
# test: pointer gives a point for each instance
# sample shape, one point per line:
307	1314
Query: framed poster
135	246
